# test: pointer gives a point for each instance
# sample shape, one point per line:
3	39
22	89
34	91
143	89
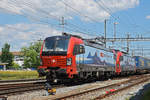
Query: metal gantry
127	39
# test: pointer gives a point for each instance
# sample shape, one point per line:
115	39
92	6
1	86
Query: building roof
16	53
3	63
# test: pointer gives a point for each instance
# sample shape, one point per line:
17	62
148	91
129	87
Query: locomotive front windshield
56	45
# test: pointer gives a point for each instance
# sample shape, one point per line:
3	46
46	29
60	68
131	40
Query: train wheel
49	78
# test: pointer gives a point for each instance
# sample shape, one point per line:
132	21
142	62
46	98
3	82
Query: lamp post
115	23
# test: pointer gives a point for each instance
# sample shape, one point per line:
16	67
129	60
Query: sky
23	22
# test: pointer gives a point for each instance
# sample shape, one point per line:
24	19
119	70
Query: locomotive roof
120	51
60	36
66	34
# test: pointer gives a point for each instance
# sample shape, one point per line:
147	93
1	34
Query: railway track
21	81
99	93
12	87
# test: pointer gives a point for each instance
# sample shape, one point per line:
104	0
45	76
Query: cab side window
78	49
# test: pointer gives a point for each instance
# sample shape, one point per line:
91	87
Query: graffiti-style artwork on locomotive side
96	57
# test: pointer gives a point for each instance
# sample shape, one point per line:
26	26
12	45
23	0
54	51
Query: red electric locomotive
72	57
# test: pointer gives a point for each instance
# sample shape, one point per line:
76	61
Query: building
3	66
18	58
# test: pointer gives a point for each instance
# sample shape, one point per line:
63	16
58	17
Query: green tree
31	55
15	65
6	56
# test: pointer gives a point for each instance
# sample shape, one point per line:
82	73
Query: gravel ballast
124	95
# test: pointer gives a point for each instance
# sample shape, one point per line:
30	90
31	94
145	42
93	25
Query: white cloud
116	5
148	17
1	29
52	8
20	35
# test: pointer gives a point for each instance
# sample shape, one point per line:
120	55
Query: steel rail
74	95
9	89
21	80
120	89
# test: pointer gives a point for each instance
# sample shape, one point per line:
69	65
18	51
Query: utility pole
142	52
105	32
40	40
115	23
62	24
128	36
133	53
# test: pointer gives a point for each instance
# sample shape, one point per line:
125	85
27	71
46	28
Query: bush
15	65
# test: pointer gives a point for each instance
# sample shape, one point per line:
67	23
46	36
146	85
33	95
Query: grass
128	98
19	74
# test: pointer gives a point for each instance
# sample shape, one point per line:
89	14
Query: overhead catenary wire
81	14
107	10
42	11
53	16
101	4
130	18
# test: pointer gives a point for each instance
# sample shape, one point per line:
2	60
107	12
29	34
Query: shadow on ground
143	94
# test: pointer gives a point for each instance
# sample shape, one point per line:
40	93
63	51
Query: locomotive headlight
69	61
